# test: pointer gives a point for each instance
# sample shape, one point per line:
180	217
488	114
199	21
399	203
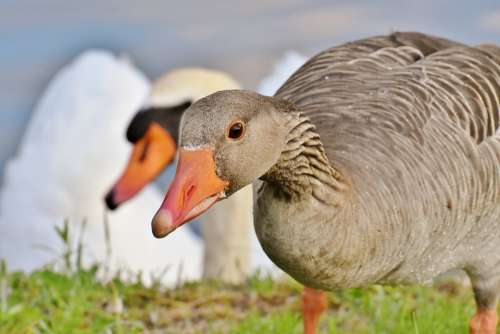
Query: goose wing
335	59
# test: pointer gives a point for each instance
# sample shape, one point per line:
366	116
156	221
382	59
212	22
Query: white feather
73	149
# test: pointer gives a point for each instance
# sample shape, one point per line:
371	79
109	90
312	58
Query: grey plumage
380	160
414	138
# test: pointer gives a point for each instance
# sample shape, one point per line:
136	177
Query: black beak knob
110	200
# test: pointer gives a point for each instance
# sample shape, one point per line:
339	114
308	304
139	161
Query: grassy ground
48	302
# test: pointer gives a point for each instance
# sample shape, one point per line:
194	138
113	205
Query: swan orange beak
150	156
196	187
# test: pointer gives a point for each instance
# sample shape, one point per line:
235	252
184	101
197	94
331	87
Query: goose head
228	140
154	129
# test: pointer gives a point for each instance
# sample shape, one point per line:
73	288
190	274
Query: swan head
153	131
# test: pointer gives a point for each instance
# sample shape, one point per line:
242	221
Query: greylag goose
380	164
153	132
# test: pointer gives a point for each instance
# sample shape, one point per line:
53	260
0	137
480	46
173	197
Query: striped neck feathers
303	168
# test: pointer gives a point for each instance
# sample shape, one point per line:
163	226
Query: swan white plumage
73	146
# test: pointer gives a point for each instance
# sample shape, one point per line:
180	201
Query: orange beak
150	156
195	188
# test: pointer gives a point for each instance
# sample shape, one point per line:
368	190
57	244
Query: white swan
73	147
153	132
75	140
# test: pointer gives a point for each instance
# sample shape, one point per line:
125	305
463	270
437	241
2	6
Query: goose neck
303	168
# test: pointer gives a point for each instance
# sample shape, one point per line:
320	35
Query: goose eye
236	130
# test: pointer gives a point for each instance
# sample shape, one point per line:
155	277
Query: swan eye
236	130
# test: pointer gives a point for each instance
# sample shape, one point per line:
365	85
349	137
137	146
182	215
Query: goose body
382	165
414	142
384	119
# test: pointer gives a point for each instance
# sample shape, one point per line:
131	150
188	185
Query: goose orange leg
486	292
313	304
484	322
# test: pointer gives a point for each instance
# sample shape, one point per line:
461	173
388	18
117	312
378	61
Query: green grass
74	300
49	302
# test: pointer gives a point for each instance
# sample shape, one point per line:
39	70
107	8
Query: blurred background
244	39
74	149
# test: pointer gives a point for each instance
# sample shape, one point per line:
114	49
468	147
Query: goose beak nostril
195	188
